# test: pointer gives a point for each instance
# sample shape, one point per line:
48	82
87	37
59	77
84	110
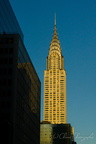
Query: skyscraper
55	83
54	129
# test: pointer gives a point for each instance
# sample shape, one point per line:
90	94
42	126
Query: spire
55	34
55	30
55	19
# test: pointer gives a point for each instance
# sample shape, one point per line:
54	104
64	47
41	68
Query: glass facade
19	90
8	21
19	84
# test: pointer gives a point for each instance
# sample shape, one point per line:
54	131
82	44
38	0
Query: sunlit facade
55	84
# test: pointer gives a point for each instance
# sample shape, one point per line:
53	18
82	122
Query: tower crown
55	43
55	58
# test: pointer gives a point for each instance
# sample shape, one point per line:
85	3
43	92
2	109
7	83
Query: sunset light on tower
55	83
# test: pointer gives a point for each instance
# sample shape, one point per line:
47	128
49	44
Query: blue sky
76	26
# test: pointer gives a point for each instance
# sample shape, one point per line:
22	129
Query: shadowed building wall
19	84
19	91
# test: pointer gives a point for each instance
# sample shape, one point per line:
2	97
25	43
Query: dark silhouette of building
19	91
19	84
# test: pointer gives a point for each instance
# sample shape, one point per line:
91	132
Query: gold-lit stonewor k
55	83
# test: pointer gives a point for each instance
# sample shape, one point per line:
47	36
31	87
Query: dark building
19	91
56	134
19	84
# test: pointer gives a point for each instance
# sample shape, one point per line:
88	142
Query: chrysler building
55	83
